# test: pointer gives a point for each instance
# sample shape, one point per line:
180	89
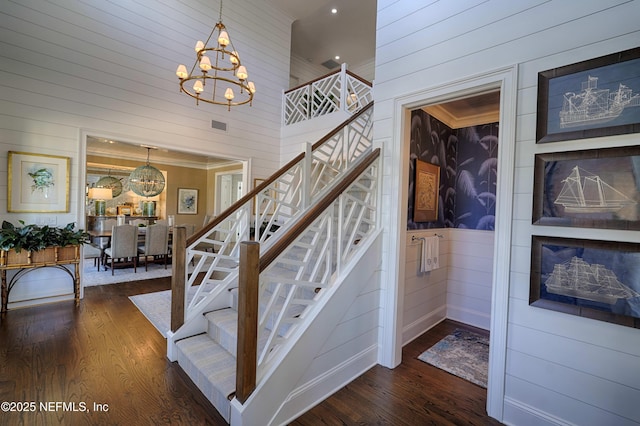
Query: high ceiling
350	33
318	35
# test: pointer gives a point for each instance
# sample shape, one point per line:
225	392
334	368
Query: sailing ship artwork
585	192
589	281
593	106
598	188
590	278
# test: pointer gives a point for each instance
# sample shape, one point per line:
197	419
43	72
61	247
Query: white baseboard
521	414
467	316
423	324
312	393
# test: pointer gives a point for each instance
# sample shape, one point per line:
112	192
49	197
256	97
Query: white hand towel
430	248
433	243
423	255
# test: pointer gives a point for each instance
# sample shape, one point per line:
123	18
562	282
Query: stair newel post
247	353
306	175
178	276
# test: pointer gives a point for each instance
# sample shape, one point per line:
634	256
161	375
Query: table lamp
100	195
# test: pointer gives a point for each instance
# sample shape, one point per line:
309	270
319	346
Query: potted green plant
28	244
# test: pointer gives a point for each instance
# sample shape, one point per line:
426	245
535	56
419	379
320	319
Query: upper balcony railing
340	90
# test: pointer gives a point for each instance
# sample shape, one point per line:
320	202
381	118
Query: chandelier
217	72
146	180
112	183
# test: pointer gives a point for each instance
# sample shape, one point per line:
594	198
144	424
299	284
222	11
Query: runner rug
462	353
156	307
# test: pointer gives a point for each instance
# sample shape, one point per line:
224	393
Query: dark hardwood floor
104	363
414	393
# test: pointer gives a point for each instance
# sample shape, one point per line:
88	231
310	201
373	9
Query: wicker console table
26	261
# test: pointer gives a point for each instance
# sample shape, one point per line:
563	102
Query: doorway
503	80
228	190
459	139
117	156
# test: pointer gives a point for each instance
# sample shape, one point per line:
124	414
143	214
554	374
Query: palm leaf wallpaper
468	171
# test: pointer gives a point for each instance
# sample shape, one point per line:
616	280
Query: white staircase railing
341	90
214	252
294	283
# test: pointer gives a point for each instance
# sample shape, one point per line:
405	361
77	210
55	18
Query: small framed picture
187	201
427	184
37	183
124	210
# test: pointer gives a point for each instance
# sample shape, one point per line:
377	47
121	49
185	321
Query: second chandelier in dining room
217	76
146	180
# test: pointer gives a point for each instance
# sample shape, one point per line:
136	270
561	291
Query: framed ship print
593	98
427	184
592	279
598	188
37	183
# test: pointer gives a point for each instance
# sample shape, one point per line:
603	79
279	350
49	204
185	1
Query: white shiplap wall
470	275
425	293
560	369
70	67
459	290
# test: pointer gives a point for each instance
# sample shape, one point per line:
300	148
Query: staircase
280	256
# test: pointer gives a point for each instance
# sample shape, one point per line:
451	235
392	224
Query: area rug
462	353
90	276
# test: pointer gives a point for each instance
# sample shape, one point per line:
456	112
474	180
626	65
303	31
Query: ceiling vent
331	64
219	125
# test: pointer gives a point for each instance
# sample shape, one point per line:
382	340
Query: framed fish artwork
588	278
594	98
597	188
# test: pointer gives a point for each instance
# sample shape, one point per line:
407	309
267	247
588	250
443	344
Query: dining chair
105	225
156	243
124	245
92	251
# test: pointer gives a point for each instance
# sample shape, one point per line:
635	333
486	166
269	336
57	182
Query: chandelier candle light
220	72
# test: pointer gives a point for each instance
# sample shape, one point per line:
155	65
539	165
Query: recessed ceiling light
337	58
334	10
